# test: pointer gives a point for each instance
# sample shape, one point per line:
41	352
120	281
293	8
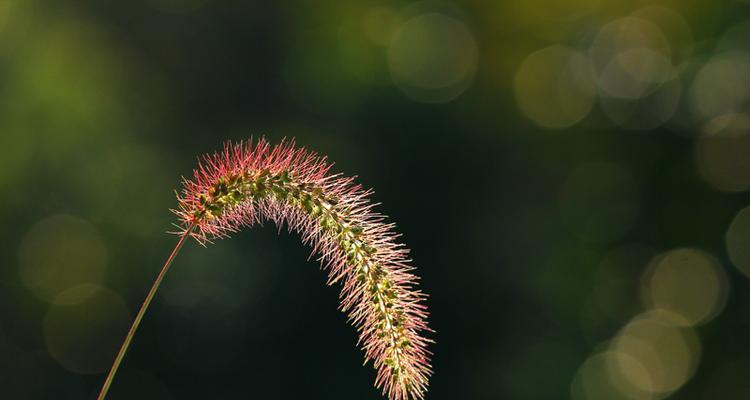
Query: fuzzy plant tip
252	182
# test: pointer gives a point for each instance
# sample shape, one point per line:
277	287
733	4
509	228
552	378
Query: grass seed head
248	183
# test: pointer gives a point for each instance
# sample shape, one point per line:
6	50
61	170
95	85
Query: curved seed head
247	183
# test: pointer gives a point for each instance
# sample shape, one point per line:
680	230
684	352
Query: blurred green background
571	176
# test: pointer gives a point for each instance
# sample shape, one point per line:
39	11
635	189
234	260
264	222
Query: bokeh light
738	241
674	28
554	87
602	376
60	252
688	286
722	86
668	354
721	152
600	201
84	326
631	57
433	57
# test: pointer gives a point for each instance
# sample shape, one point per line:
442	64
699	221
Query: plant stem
141	312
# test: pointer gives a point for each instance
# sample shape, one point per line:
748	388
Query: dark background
569	175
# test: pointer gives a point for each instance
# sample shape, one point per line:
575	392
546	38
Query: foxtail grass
252	182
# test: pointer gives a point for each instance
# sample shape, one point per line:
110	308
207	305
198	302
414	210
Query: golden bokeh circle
601	376
669	354
433	57
60	252
687	286
554	87
84	326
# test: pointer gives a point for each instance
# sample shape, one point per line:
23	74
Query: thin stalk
141	312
